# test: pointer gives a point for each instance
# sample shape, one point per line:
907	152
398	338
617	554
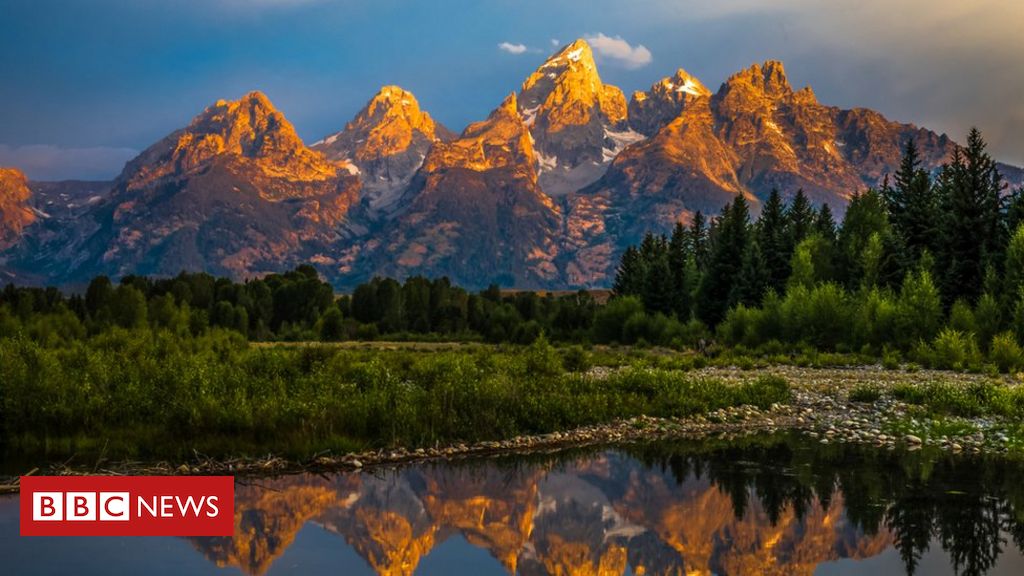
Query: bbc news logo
127	506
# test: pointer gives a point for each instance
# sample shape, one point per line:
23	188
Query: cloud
45	162
512	48
555	42
619	51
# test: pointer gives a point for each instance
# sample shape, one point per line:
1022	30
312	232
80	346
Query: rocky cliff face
385	144
234	193
545	193
577	121
474	211
15	211
652	110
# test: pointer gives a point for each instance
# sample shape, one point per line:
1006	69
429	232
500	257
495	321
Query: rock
911	439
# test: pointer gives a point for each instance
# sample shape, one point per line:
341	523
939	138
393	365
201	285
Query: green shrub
576	359
609	320
865	393
1006	353
955	350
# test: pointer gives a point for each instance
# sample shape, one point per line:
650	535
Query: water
777	505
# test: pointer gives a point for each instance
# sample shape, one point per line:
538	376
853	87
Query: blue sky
87	83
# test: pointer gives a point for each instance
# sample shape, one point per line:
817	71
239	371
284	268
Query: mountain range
546	192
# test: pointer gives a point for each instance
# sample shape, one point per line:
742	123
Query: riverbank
888	409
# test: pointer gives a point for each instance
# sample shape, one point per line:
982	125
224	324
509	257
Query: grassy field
149	395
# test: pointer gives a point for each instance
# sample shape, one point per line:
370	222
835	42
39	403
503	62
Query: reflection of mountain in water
596	516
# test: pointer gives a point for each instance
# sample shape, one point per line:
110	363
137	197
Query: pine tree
679	253
973	233
866	216
629	276
773	242
911	204
729	244
699	240
753	280
825	223
801	218
1015	209
658	290
1013	278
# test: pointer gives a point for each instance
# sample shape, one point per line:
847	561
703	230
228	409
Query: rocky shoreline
820	409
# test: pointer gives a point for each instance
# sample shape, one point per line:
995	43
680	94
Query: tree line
925	255
922	256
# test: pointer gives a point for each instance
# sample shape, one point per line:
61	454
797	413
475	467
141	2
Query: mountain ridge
544	193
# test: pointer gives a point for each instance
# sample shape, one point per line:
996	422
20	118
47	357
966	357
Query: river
767	505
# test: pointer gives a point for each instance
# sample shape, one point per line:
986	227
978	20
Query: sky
86	84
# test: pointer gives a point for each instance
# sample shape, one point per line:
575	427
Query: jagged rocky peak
15	212
767	79
390	123
651	110
577	121
385	144
567	91
248	130
499	141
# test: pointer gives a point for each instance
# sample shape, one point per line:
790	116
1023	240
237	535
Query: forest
928	268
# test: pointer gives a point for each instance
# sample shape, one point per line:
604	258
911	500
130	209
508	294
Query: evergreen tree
825	223
679	253
658	284
699	240
773	242
911	204
1015	209
753	281
801	218
973	234
1013	278
866	216
729	244
629	276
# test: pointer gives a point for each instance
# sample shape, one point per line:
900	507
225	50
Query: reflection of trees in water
968	504
775	505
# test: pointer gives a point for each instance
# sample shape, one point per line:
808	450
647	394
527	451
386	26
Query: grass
156	396
966	400
867	393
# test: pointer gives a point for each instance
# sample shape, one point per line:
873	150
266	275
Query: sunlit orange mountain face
545	192
606	515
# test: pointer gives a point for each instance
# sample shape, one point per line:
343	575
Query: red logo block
127	506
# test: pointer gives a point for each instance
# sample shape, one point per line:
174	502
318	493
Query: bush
1006	353
576	359
953	350
367	332
610	320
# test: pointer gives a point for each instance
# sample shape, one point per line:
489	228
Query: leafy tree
919	309
128	307
332	325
